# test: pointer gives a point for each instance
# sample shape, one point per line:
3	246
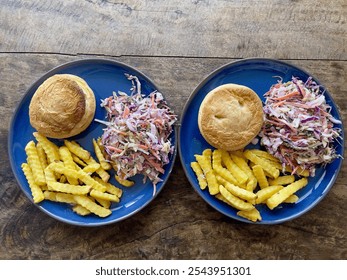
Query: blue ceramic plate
259	75
104	77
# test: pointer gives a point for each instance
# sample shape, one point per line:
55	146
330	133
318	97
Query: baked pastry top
230	116
62	106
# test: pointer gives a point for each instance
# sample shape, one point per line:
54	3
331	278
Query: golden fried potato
36	191
258	172
235	201
100	156
199	174
209	174
92	206
124	182
236	171
266	165
252	215
49	147
35	164
286	192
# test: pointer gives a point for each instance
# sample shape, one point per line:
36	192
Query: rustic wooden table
176	43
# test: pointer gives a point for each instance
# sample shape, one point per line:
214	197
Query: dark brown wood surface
177	44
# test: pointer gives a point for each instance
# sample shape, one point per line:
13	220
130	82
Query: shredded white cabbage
136	138
298	126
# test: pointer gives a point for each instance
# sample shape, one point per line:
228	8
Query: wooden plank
178	224
175	77
200	28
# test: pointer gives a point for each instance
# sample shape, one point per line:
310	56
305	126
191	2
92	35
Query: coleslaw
298	126
136	138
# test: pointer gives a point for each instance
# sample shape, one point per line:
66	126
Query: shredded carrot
280	103
287	96
126	112
114	149
153	101
156	165
143	147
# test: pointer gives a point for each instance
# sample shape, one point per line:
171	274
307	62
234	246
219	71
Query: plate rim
37	82
211	75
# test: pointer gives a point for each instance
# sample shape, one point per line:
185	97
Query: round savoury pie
230	116
62	106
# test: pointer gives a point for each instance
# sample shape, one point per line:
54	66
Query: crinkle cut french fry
42	155
266	165
205	160
49	195
104	175
80	210
50	148
66	157
100	171
208	154
49	175
104	203
221	180
36	191
224	173
77	160
80	174
241	162
68	188
260	175
109	187
59	197
282	180
252	215
236	171
35	164
216	159
60	168
76	149
267	192
222	198
92	206
265	155
105	196
91	168
124	182
100	156
211	182
292	199
218	168
65	198
235	201
286	192
85	178
199	175
209	174
299	171
241	193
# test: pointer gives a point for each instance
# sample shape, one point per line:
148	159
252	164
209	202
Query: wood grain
178	224
289	29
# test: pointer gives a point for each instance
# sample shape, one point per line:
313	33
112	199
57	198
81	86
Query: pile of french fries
244	179
70	174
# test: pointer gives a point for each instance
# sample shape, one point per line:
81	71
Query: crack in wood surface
167	56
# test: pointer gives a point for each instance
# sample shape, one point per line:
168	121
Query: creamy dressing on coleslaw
298	126
136	138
